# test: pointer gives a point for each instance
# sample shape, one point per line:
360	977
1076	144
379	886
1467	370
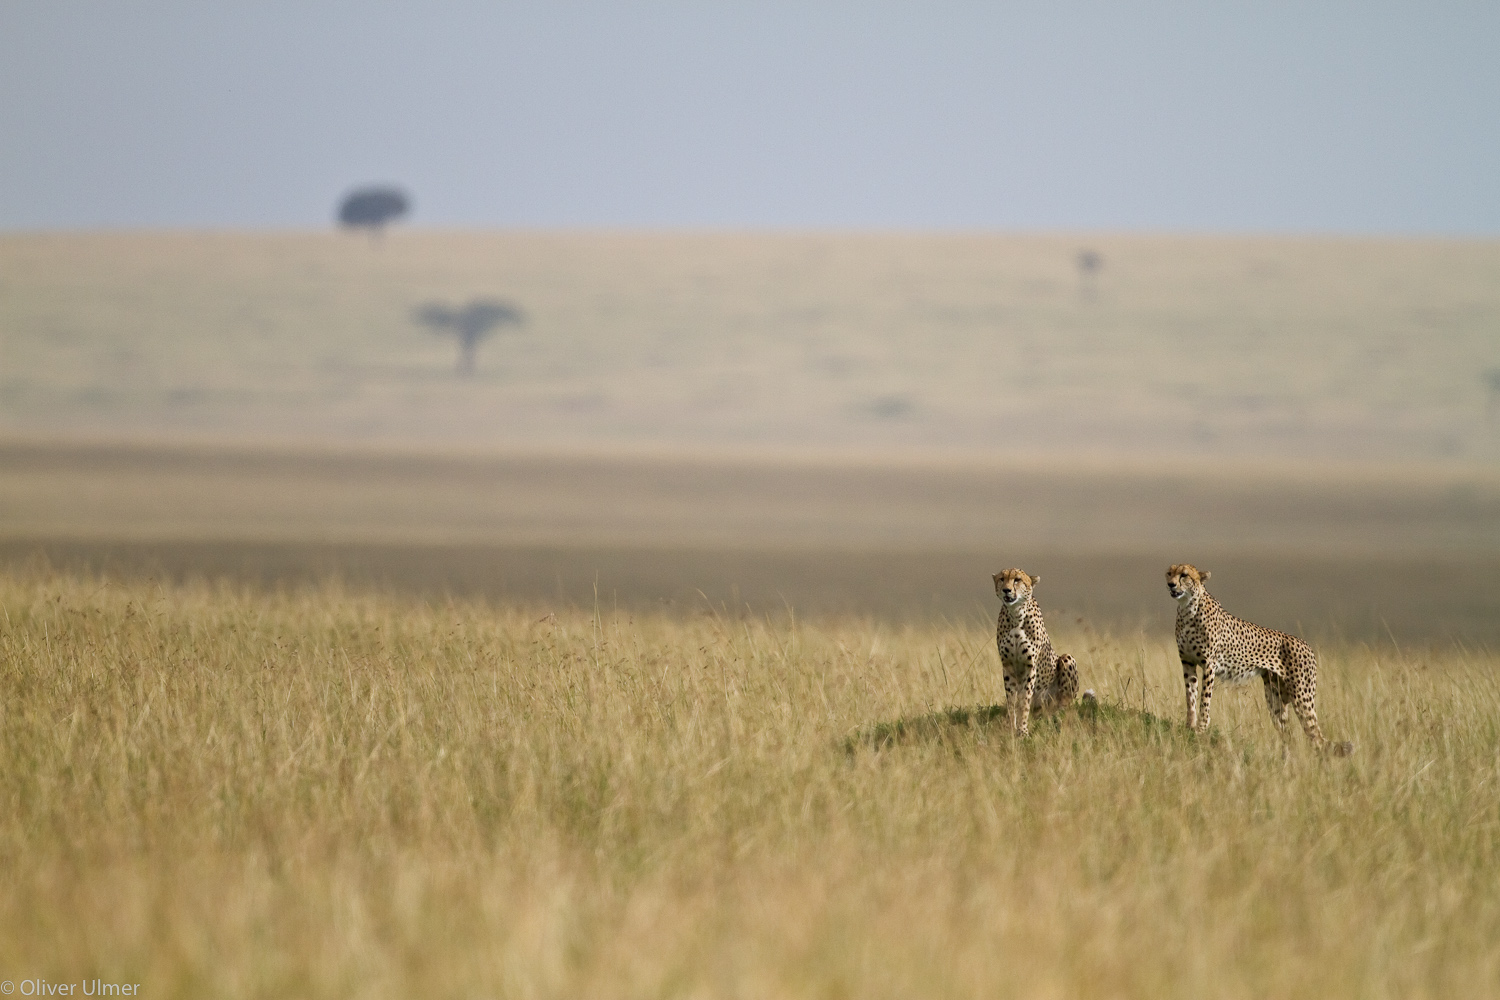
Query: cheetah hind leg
1278	695
1067	682
1303	697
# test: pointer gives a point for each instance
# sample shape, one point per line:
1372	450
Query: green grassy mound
980	725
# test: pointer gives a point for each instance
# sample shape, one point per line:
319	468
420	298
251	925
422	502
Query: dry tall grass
219	793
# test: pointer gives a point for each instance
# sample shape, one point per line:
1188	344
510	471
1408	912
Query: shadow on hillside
989	724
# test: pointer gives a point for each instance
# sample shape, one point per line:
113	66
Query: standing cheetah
1035	676
1225	646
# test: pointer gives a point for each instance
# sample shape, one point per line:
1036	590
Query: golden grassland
1269	346
212	791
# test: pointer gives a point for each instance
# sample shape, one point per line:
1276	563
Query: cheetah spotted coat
1036	677
1215	642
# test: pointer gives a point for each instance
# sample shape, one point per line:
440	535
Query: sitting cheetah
1225	646
1035	676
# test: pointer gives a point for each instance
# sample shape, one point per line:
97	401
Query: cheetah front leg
1190	682
1013	686
1019	691
1208	695
1028	691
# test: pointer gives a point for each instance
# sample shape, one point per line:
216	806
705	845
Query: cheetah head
1184	580
1013	586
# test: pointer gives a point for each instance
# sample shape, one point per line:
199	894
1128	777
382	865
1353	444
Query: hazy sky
1342	117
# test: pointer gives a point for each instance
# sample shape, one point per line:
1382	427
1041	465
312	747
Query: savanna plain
656	657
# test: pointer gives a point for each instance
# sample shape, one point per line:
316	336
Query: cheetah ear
1204	576
996	578
1035	580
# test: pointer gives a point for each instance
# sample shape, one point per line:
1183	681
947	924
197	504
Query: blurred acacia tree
1090	263
371	208
470	325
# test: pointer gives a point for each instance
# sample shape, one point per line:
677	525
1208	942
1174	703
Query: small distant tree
371	208
1090	263
470	325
